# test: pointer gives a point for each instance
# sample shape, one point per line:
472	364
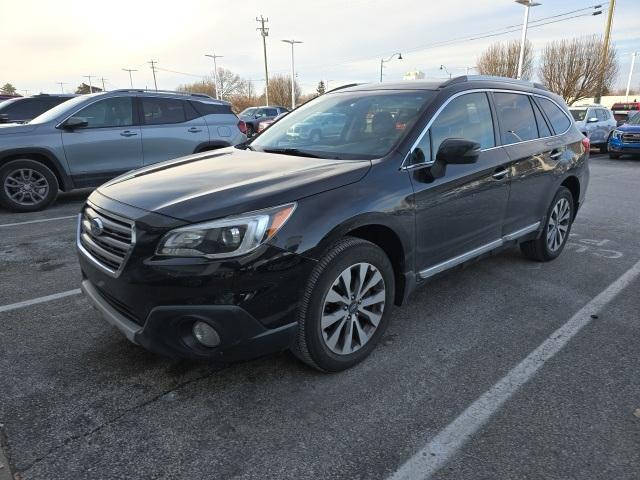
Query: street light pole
383	61
293	73
527	4
215	72
633	62
442	67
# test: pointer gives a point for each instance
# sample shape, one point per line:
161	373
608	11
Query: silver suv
93	138
595	122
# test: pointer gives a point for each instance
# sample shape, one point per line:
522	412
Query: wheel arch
573	184
43	156
211	145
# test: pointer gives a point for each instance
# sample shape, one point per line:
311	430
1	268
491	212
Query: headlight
227	237
617	134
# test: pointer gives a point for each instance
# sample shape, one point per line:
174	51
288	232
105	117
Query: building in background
414	75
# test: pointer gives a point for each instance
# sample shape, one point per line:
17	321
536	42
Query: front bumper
617	146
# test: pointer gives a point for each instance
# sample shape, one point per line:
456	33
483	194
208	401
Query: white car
595	122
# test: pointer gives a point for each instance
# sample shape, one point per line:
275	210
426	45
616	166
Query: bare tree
230	83
501	59
280	90
571	68
206	86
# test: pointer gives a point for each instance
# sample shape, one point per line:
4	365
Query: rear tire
614	156
339	324
27	186
549	245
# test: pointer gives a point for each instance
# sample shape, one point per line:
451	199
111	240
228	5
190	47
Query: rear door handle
127	133
500	173
194	130
555	154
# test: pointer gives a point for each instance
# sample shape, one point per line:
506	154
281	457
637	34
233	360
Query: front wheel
556	230
345	307
614	156
27	186
604	148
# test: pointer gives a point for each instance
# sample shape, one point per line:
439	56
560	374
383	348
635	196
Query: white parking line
452	438
35	301
37	221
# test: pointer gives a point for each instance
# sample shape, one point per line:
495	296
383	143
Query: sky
45	42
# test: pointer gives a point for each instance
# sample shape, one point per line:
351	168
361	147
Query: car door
527	132
170	128
459	208
110	143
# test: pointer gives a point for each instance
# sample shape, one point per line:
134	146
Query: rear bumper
167	330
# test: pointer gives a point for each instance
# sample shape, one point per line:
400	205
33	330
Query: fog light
206	334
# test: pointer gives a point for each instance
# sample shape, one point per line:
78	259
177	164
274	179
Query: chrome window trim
478	90
476	252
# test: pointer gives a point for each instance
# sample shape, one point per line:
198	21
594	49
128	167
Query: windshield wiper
294	151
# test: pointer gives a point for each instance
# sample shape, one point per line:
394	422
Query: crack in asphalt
111	421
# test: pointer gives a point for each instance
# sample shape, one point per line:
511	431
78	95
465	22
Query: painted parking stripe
37	221
35	301
452	438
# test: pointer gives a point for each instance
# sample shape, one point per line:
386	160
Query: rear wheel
556	230
614	156
27	186
345	308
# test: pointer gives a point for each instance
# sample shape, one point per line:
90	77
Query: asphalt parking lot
77	401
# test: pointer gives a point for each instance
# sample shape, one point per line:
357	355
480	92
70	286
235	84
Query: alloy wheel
558	224
353	308
26	186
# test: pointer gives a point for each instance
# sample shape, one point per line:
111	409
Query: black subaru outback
306	243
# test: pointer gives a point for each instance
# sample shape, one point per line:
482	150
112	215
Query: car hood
13	128
626	128
229	181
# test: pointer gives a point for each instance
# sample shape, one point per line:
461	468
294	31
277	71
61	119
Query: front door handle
127	133
194	130
500	173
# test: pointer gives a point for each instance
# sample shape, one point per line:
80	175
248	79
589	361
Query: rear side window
161	111
517	120
467	116
559	121
543	128
204	108
271	112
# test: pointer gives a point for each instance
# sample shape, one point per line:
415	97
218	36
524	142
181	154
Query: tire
27	186
604	148
336	343
551	242
614	156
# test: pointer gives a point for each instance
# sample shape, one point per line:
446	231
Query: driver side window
111	112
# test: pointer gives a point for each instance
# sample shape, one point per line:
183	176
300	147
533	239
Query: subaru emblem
97	227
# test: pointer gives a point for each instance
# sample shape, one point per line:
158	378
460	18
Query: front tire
27	186
345	307
614	156
556	231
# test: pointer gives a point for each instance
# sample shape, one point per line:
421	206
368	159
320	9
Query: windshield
346	125
247	112
4	103
634	120
59	110
578	115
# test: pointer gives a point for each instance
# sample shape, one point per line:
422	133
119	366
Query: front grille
120	307
631	138
105	238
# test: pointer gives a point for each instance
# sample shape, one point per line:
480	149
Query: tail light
586	143
242	126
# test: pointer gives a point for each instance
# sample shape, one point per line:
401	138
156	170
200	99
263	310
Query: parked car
286	243
626	138
595	122
263	125
318	127
252	116
4	96
93	138
623	111
23	109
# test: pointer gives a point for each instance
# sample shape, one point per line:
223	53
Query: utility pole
215	73
523	41
293	73
90	84
153	69
62	85
633	63
103	87
605	52
265	33
130	77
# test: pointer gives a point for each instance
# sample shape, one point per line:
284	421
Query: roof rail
491	78
348	85
174	92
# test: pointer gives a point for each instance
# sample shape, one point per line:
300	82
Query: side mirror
75	122
592	119
458	150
